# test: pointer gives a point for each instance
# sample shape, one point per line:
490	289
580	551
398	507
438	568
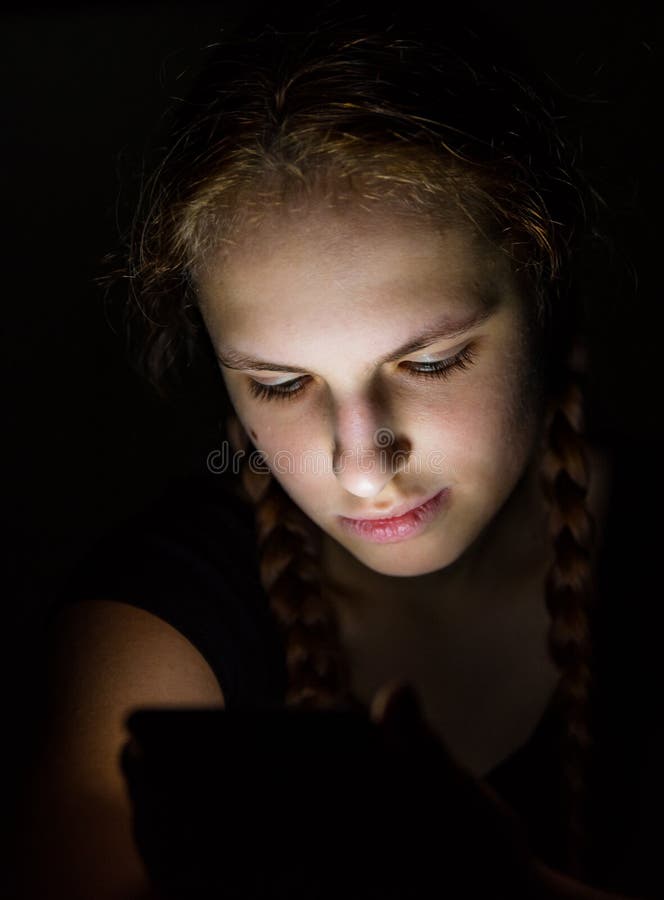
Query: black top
191	559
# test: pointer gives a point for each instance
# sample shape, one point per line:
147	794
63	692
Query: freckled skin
332	294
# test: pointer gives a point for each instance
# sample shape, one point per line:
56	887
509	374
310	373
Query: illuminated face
375	363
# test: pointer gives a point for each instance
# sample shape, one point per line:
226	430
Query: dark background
84	90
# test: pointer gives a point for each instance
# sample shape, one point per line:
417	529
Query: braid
289	566
570	597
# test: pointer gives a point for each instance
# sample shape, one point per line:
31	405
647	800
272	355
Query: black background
85	87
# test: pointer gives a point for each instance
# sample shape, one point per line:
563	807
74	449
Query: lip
390	529
396	512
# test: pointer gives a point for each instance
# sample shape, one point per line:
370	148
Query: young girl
374	238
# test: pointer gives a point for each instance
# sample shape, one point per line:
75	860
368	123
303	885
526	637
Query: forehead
348	263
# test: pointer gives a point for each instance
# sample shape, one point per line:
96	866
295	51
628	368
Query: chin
406	559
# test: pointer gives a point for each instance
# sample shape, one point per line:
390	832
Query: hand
452	834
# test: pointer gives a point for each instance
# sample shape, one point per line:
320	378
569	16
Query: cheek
290	449
289	441
487	429
256	419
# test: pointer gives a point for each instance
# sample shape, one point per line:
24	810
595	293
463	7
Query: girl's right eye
286	391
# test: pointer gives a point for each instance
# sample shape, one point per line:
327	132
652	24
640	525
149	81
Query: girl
373	235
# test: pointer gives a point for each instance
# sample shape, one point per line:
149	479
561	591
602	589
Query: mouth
389	529
401	509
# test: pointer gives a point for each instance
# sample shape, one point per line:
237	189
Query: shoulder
627	613
106	658
626	493
118	653
626	484
74	826
186	563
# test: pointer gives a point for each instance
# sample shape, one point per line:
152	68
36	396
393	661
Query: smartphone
316	804
260	803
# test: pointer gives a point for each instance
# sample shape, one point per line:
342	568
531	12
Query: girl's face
332	332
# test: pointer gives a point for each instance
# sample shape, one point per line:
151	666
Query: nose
367	453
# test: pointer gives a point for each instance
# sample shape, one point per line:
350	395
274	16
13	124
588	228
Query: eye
444	367
286	391
291	389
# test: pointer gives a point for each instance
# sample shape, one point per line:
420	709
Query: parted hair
389	118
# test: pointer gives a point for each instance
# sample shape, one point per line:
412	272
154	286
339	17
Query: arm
75	838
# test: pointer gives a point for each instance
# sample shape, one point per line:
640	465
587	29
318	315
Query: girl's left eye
291	389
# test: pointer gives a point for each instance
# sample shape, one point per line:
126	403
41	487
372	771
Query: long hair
387	118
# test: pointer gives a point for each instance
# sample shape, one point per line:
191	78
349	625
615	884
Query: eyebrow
443	329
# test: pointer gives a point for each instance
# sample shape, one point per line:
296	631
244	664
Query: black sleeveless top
190	558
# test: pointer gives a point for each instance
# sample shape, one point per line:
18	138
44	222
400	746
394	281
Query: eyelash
441	369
